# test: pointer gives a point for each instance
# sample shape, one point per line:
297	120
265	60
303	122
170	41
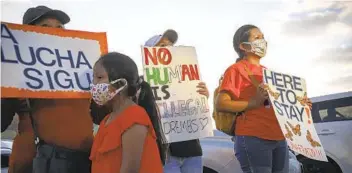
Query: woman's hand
259	98
202	89
309	103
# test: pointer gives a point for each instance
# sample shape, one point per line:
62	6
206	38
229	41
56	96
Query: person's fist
259	98
202	89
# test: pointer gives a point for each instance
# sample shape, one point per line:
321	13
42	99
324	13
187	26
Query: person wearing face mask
63	126
130	137
260	146
185	156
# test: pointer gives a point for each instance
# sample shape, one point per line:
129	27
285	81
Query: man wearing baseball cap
186	156
63	127
45	16
168	38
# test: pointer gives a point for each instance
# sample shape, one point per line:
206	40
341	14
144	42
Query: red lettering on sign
308	151
191	71
194	71
158	55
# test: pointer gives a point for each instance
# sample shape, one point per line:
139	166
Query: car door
333	123
5	155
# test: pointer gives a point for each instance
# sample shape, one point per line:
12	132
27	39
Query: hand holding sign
309	103
263	91
259	98
202	89
305	101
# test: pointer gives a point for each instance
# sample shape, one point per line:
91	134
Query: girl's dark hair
241	35
118	66
97	112
147	101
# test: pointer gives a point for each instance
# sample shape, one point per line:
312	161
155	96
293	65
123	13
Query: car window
332	110
323	113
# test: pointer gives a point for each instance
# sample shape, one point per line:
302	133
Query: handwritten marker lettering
173	73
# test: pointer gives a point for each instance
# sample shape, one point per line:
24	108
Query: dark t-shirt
189	148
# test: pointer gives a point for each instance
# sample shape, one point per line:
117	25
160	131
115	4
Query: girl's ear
245	47
119	84
112	88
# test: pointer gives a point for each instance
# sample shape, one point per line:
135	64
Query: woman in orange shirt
260	145
130	137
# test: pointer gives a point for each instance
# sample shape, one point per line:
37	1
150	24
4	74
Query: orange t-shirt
106	154
63	122
260	122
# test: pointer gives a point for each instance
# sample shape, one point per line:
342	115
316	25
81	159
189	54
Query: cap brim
153	41
171	35
59	15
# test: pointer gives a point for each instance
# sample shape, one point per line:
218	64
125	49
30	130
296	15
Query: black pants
52	159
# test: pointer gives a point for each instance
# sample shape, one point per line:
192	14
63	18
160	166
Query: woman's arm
132	148
225	103
230	89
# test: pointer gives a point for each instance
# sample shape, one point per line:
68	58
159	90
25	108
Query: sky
310	39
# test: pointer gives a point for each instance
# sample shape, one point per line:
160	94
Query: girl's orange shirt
106	154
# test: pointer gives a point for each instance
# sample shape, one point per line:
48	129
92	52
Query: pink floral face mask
101	92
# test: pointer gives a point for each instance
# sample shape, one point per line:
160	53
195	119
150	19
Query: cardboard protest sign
41	62
173	74
288	96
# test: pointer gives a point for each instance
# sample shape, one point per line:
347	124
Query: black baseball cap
33	14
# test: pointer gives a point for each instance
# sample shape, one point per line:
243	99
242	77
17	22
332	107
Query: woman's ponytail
147	101
239	59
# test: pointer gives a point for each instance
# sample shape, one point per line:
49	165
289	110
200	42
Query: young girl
130	137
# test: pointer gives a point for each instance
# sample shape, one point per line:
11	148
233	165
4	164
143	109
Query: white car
219	156
332	116
6	148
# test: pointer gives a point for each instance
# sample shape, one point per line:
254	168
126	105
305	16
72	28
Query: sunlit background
310	39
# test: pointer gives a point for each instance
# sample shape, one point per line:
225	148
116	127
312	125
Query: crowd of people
55	135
